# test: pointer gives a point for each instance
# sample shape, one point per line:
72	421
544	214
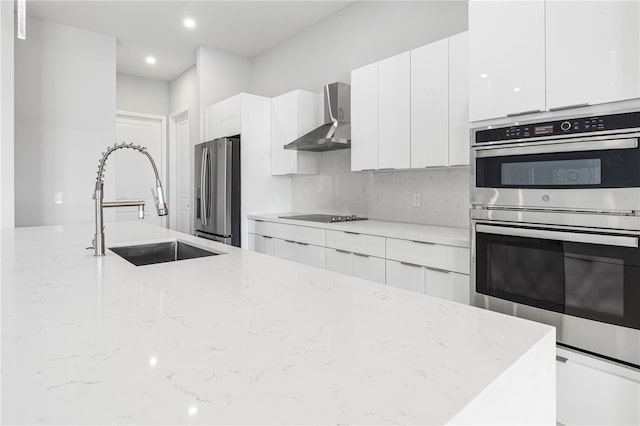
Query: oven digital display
543	130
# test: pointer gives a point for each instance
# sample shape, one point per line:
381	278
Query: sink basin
169	251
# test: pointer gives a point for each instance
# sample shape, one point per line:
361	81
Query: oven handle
609	240
566	146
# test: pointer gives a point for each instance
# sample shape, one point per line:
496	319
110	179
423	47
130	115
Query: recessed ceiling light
189	23
484	75
516	89
151	60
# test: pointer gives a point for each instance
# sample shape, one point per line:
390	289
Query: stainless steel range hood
335	133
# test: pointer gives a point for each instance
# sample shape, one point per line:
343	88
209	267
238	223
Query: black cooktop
324	218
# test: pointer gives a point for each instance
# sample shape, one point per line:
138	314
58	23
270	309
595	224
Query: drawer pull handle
266	236
361	255
289	241
411	264
438	270
561	359
423	242
386	168
342	251
569	106
258	220
514	114
302	244
351	232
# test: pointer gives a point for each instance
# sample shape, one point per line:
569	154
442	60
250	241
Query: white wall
183	92
65	86
220	76
359	34
7	212
139	94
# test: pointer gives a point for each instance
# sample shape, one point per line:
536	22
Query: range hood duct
335	133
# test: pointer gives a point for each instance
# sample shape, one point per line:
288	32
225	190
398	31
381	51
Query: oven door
586	284
589	174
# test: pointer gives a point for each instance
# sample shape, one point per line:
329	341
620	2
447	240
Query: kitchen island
247	338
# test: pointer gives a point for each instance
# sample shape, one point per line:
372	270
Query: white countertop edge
445	235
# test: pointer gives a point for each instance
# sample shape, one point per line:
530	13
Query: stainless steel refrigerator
217	190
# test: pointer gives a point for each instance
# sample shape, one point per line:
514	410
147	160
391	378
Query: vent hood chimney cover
335	133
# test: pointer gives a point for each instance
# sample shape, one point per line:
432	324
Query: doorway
180	171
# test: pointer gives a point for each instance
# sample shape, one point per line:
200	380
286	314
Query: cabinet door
459	145
369	268
407	276
394	112
447	285
223	118
596	395
593	52
292	115
251	240
364	118
263	244
340	261
506	58
430	105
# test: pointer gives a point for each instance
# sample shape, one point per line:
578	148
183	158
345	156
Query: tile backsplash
384	195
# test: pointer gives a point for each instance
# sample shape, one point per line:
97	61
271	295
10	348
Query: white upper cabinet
364	118
430	105
593	52
394	112
223	118
292	115
506	58
459	144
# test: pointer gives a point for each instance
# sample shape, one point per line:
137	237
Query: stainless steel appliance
335	133
555	225
217	190
324	218
574	164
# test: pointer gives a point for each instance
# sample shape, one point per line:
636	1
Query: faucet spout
100	204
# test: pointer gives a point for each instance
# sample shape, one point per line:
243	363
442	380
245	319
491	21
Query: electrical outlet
58	197
417	199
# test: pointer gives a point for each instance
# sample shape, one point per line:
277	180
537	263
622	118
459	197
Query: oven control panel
578	125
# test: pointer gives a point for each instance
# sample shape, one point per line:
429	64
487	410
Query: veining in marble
234	338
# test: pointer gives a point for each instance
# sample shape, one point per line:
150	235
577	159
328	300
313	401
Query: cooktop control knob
565	126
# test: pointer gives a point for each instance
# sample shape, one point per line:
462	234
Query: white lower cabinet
356	264
340	261
406	275
447	285
261	244
300	252
595	392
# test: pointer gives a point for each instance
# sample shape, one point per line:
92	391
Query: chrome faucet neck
98	196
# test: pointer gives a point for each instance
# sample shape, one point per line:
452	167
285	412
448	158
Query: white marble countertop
446	235
235	338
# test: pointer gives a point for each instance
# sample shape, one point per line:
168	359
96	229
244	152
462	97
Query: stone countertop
446	235
235	338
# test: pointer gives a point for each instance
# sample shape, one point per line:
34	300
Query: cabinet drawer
300	252
447	285
356	243
438	256
340	261
303	234
261	244
260	227
369	268
407	276
592	391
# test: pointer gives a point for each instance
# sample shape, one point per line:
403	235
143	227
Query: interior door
133	175
180	165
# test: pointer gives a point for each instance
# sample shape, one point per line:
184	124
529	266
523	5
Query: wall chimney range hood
335	133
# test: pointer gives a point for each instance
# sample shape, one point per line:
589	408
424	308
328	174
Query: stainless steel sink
169	251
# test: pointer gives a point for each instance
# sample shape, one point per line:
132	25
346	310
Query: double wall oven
556	228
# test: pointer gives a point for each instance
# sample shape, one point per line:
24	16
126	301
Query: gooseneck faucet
158	195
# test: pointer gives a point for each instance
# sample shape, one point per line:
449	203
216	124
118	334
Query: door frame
162	163
173	165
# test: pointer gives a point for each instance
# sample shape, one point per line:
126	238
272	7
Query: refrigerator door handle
203	192
208	178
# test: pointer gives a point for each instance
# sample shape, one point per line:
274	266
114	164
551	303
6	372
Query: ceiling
156	28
